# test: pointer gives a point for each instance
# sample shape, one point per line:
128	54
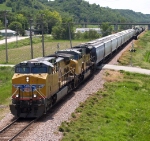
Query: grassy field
119	112
6	74
141	57
23	51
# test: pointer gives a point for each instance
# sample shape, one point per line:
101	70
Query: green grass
6	74
25	42
141	57
120	112
23	51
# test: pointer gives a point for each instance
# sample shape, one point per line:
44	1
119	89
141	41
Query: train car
40	83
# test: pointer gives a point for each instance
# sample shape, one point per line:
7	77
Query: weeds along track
14	129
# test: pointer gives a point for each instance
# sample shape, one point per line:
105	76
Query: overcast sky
142	6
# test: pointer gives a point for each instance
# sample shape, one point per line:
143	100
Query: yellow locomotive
41	82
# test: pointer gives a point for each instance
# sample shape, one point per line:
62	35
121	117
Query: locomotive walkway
109	67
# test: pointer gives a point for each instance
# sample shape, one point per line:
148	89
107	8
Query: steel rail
19	132
8	125
22	130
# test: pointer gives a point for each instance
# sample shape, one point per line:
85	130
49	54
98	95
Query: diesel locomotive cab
29	89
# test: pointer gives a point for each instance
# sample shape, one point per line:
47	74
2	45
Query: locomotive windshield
26	70
22	70
38	70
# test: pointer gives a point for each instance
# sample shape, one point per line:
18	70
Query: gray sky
142	6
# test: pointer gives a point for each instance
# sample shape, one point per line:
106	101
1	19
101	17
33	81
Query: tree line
54	16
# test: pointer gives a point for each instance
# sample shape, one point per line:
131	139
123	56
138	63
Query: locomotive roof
70	51
43	60
64	56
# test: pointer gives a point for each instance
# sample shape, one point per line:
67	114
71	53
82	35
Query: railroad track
14	129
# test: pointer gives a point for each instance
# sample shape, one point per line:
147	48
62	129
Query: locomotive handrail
63	77
40	94
15	92
68	72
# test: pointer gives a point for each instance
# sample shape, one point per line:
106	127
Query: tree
21	19
61	31
1	25
93	34
106	29
16	26
50	17
1	1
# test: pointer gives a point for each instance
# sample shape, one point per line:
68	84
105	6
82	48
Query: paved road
125	68
12	39
4	65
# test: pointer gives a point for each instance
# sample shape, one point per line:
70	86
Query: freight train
40	83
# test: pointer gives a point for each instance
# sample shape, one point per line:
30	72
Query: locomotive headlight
34	95
27	79
17	95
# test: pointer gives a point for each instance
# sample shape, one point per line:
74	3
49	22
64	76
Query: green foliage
1	25
147	57
49	18
106	29
82	11
23	20
91	34
141	57
76	10
120	112
16	26
5	84
61	31
28	6
1	1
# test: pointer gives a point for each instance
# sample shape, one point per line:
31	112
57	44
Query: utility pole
6	22
69	35
43	49
30	20
16	35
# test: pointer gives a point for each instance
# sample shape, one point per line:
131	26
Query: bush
91	34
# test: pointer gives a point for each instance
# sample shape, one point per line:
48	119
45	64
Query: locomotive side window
38	70
76	57
49	70
22	70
